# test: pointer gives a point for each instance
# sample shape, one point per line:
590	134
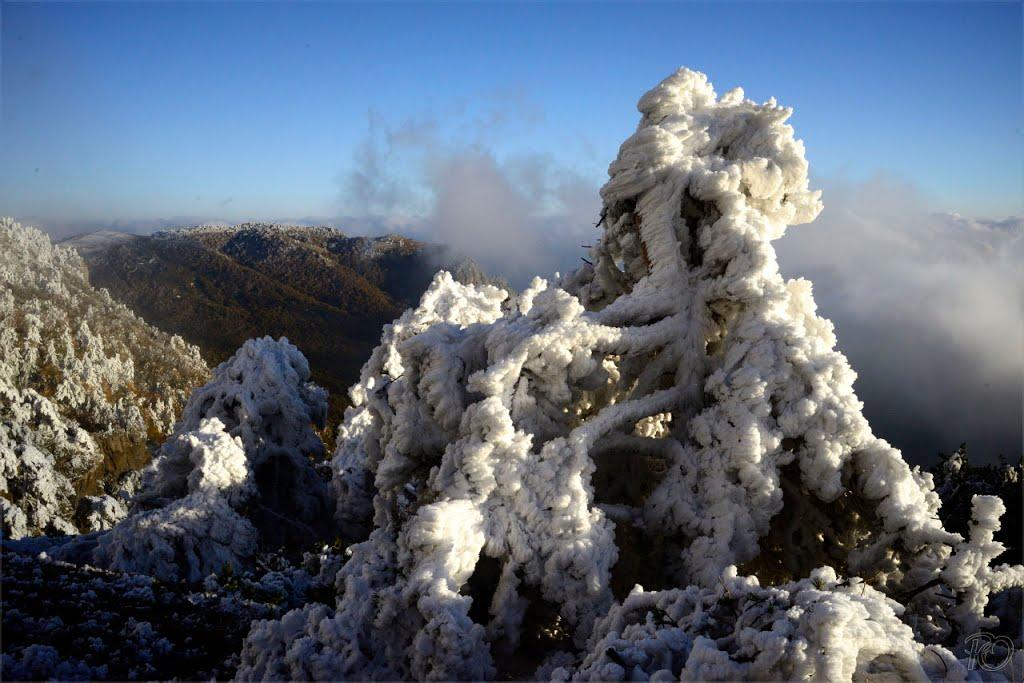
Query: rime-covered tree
236	476
655	468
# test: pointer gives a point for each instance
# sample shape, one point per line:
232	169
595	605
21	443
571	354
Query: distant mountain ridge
218	286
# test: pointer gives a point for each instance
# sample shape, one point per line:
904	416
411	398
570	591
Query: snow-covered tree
237	475
41	455
263	396
655	468
195	535
85	386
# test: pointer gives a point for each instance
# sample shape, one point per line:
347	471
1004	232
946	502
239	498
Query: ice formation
672	415
237	475
84	384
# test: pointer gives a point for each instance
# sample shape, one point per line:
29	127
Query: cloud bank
928	308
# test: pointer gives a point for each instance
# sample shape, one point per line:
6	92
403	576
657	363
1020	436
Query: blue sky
143	111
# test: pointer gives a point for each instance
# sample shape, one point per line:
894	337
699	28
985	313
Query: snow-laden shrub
958	481
263	396
199	533
817	628
673	415
237	475
32	478
42	454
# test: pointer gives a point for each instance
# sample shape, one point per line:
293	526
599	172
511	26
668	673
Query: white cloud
928	307
517	215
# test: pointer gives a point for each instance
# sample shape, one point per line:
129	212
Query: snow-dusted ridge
97	240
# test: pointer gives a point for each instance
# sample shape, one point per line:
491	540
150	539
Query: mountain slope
330	294
86	387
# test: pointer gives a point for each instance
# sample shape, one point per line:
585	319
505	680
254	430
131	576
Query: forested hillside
87	388
330	294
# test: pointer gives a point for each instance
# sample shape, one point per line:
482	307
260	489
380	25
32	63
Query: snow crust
673	414
65	622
